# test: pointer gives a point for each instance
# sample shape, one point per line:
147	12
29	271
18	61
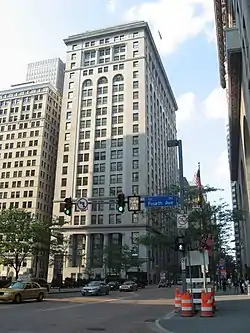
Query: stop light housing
199	200
121	203
179	244
68	206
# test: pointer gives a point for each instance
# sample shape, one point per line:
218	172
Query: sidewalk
232	316
64	291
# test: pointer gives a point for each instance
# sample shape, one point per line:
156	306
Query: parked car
42	282
95	288
113	285
164	284
128	286
22	290
179	282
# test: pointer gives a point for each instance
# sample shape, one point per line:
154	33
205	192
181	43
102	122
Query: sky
34	30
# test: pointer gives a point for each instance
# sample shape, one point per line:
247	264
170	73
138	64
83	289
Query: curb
63	292
167	317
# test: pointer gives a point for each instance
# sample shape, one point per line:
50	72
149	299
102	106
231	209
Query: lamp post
178	144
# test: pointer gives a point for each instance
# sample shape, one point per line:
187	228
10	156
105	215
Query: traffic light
179	244
121	203
199	200
68	206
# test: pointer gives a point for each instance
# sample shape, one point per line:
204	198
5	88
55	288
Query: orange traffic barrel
186	305
207	304
177	300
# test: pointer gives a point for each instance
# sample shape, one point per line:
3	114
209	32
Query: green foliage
59	244
118	258
21	236
215	220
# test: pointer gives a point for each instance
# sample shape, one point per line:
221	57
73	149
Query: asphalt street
116	313
232	317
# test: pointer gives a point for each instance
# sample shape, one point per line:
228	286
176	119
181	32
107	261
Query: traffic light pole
182	206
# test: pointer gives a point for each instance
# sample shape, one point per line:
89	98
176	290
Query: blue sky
34	30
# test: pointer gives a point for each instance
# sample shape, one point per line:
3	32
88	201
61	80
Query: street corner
160	323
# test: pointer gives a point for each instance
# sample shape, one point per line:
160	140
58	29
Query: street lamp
178	144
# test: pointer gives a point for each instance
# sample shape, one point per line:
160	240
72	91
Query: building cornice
121	29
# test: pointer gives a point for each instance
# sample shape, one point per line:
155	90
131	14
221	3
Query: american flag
197	177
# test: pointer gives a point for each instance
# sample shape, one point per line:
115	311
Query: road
116	313
232	317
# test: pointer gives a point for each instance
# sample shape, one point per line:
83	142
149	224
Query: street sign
182	221
161	201
134	203
82	204
183	263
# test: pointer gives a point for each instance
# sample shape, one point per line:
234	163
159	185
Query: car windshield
128	282
17	285
94	283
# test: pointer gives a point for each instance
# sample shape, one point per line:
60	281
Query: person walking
236	287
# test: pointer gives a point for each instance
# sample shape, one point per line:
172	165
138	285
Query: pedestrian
224	285
242	286
236	287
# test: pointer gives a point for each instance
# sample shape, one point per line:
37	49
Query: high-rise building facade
239	250
29	130
118	114
233	38
49	70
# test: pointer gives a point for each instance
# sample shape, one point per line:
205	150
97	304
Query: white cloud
187	106
177	20
220	177
215	105
111	6
222	166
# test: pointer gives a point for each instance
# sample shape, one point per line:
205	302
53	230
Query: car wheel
82	294
107	292
40	297
99	293
18	299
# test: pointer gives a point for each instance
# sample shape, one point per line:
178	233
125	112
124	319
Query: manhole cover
149	321
96	329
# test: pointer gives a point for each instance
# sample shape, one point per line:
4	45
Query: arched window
102	80
87	83
118	78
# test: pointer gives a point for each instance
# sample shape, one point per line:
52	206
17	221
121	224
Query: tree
212	220
59	243
21	235
119	258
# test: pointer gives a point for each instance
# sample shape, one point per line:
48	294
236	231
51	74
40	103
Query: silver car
95	288
128	286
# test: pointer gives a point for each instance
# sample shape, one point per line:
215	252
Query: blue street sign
161	201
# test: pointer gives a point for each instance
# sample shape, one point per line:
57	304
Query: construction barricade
186	305
177	300
213	299
207	304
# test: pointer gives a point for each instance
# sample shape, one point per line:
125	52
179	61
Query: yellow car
21	291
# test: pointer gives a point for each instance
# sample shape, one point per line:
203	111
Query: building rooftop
120	29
